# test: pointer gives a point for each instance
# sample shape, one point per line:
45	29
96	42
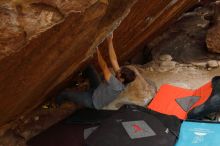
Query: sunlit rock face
21	20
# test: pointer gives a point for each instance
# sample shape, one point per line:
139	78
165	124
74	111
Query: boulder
165	57
44	42
213	64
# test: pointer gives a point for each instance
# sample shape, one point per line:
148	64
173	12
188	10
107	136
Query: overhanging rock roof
43	42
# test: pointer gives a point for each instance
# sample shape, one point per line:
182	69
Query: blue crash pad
199	134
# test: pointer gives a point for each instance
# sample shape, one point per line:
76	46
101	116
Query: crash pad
62	135
212	105
133	125
199	134
166	100
73	130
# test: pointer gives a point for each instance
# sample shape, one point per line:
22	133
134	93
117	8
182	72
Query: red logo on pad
137	128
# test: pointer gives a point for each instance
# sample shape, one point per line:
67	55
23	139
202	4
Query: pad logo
138	129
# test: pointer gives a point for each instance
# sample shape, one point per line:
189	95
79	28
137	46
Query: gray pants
82	98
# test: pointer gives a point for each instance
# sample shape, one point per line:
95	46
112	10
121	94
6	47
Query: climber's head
126	75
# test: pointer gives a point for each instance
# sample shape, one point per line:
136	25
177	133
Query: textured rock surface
213	63
185	39
200	64
147	19
213	35
43	42
167	66
165	57
213	39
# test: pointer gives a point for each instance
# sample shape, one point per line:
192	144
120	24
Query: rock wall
43	42
147	19
185	40
213	35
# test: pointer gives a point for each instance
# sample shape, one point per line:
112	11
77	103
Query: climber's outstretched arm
103	66
112	54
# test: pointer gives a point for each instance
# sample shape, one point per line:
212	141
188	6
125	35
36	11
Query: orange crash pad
166	99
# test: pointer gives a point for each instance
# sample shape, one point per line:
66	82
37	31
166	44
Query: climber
100	93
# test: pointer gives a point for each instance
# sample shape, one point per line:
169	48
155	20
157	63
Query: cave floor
183	75
186	76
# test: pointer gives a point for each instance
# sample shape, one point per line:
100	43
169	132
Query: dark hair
127	74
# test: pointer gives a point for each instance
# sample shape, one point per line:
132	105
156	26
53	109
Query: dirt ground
184	75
